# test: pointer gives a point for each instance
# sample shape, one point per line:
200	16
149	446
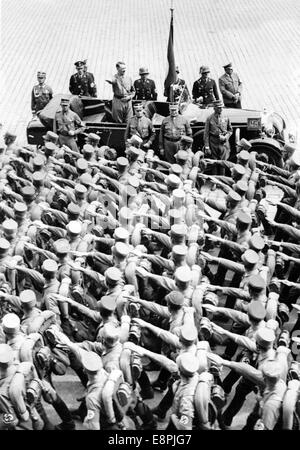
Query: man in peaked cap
82	83
205	89
145	88
217	132
141	126
51	137
231	88
172	129
68	125
41	94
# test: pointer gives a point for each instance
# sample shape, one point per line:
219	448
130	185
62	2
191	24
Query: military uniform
230	84
216	126
64	124
122	88
141	126
171	131
205	88
145	90
82	83
40	97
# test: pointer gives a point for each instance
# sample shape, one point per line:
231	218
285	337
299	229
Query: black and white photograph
150	218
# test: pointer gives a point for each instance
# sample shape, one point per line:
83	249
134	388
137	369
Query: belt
172	139
120	96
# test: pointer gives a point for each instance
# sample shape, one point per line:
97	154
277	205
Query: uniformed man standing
67	124
124	92
141	126
217	132
41	94
82	83
145	88
205	89
176	89
172	128
231	88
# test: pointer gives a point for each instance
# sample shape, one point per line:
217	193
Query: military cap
134	151
88	148
10	323
272	369
50	136
138	107
50	146
233	196
238	169
110	334
79	64
143	70
245	144
256	283
80	189
20	208
179	250
41	74
218	104
28	297
188	364
265	337
6	354
250	257
125	213
121	234
9	226
241	186
133	181
204	69
244	218
211	298
28	192
183	274
179	230
227	65
93	137
82	164
182	155
121	249
50	266
175	297
73	209
173	105
256	242
4	246
9	134
64	101
178	194
74	227
91	362
176	169
188	333
86	179
256	310
61	246
113	275
122	162
107	302
173	181
135	139
295	158
38	177
38	162
243	156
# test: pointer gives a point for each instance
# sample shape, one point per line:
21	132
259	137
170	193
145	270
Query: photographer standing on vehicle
217	132
67	124
124	92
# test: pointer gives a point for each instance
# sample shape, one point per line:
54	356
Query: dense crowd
181	263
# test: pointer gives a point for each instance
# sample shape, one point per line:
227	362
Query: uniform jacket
145	90
229	85
83	85
40	97
206	89
174	128
142	127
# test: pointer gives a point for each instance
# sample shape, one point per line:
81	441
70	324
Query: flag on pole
171	75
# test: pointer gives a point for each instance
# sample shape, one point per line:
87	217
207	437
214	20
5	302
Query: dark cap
227	65
204	69
107	302
41	74
256	310
175	297
256	283
79	64
143	70
65	101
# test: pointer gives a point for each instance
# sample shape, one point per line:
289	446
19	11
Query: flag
171	75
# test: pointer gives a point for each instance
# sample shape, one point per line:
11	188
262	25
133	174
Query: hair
119	64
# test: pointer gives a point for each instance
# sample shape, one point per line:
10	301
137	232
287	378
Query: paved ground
261	38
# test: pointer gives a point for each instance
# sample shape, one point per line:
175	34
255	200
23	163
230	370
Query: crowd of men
181	263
